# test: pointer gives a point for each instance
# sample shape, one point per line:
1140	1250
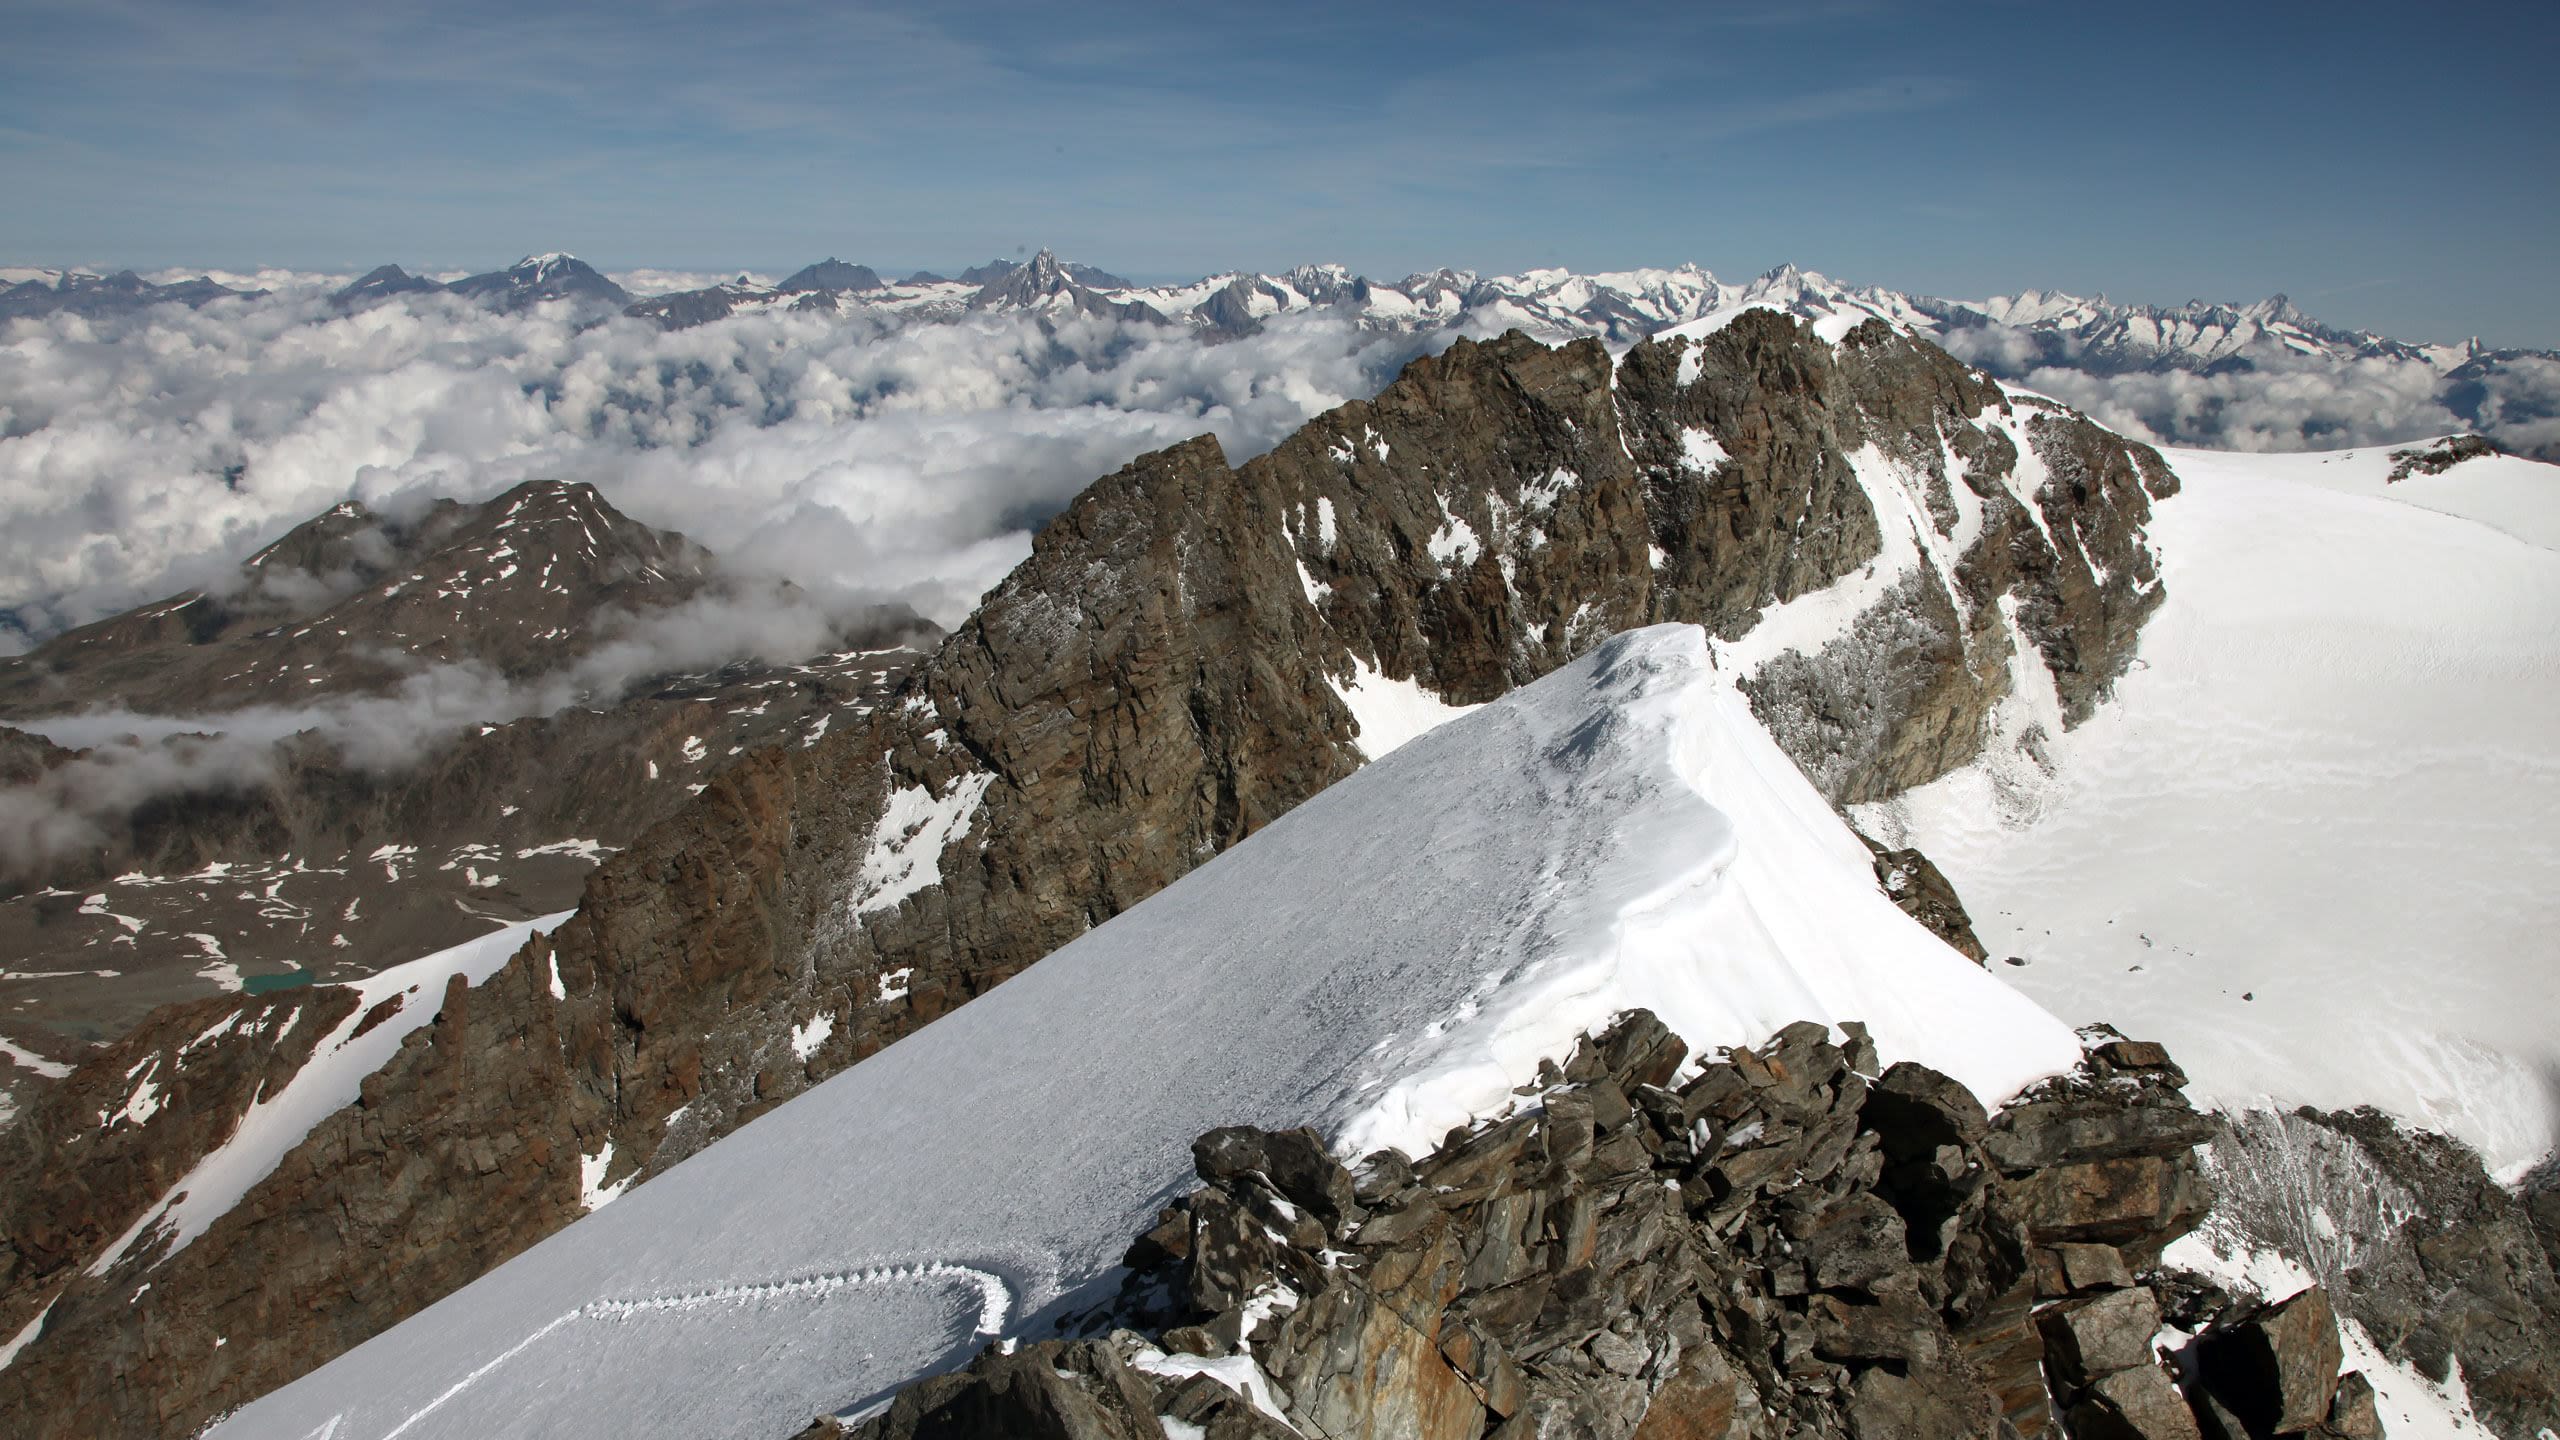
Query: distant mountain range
2202	350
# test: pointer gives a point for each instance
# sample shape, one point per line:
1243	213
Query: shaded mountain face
392	733
526	283
1192	649
1046	285
831	274
353	601
381	283
826	287
121	293
1089	276
537	278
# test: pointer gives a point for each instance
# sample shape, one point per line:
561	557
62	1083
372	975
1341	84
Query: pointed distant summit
1045	284
536	278
1086	275
381	283
1039	278
831	274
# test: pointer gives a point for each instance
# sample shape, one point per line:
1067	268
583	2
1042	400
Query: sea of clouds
2289	401
144	454
865	460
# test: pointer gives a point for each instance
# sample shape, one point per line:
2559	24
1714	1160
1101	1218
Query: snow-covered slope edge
1383	962
2309	846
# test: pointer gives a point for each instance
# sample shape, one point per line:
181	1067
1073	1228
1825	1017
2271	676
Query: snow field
2309	845
1420	935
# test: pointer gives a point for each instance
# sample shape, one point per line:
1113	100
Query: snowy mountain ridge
1622	833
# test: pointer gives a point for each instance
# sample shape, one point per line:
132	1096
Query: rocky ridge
1794	1241
1186	655
138	873
79	293
354	601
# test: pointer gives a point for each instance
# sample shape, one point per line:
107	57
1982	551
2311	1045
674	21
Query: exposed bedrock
1792	1242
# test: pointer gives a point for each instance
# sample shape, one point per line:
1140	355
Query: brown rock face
1926	895
106	1142
1602	1266
1162	677
2277	1370
138	875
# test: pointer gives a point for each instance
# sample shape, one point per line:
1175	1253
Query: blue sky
2391	166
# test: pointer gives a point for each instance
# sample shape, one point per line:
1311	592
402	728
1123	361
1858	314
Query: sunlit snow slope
2314	844
1386	961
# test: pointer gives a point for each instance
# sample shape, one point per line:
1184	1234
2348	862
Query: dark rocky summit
2438	458
134	874
831	274
381	283
353	601
1161	678
537	278
1793	1242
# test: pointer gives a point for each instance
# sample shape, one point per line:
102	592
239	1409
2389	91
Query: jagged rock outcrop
1794	1241
2441	1265
1046	285
2438	458
1926	895
1180	660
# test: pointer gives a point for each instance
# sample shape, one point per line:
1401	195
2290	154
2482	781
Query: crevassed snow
324	1085
2310	843
915	827
1619	833
1388	713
